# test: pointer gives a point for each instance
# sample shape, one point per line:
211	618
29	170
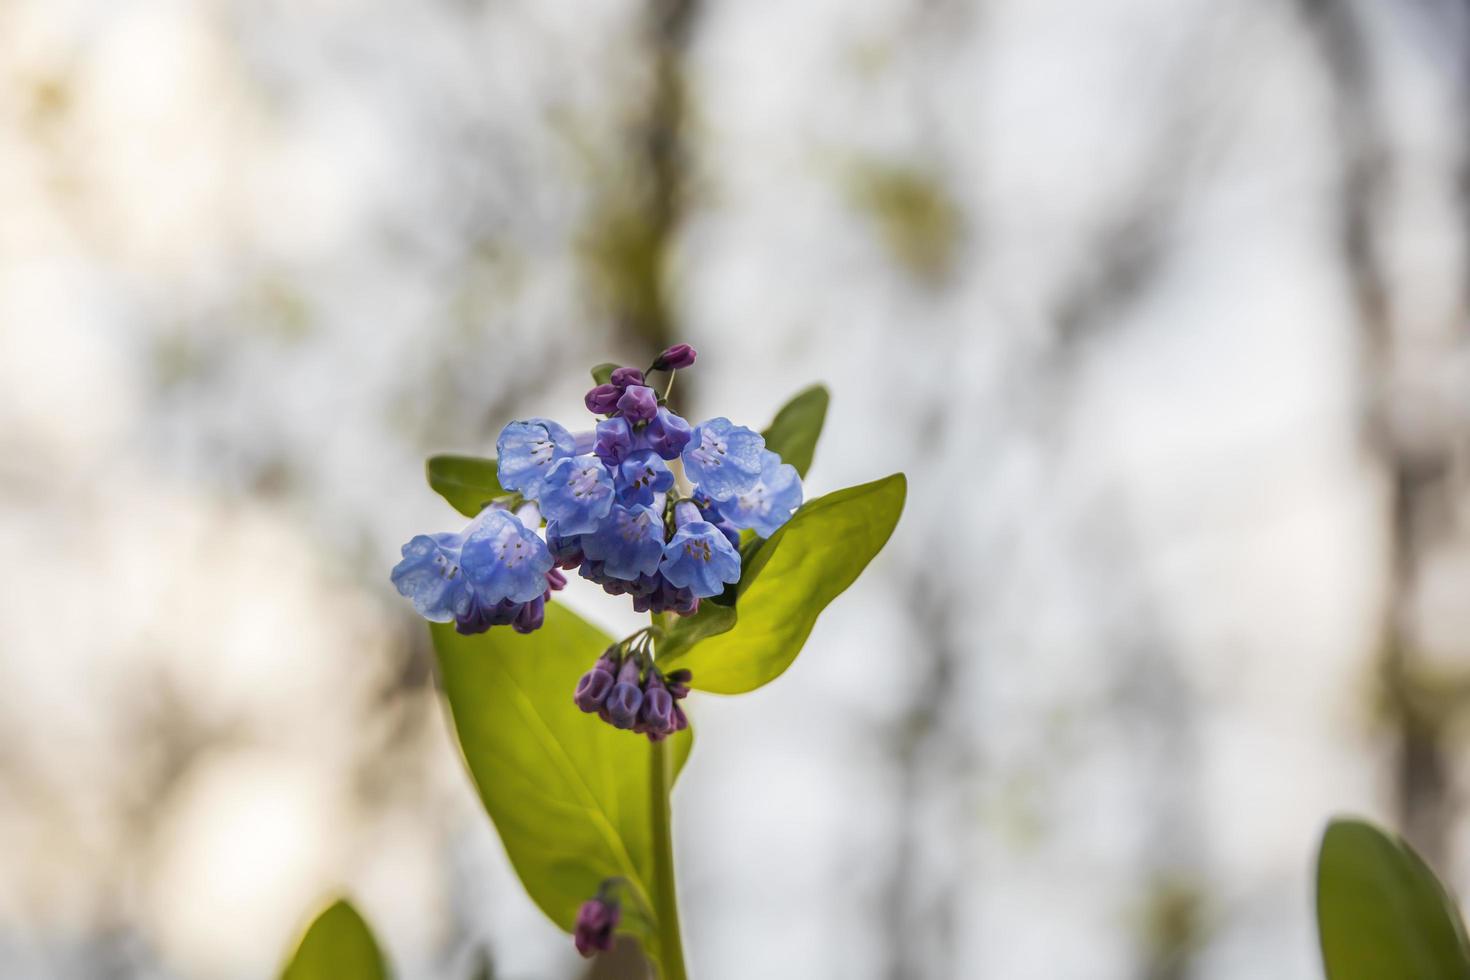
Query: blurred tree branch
1417	464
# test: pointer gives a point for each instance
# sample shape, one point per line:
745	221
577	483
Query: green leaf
569	794
795	574
602	373
1381	912
794	432
712	619
467	482
338	946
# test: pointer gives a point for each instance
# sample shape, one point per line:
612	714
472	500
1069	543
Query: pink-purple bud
624	377
603	400
657	713
614	441
638	404
667	434
678	683
530	616
624	700
593	688
676	358
596	920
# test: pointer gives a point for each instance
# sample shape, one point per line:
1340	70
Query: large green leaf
1381	913
467	482
338	946
794	432
795	574
569	794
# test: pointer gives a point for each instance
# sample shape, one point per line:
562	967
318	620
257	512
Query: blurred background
1162	305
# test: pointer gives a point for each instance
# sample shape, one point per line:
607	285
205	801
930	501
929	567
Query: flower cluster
627	691
495	572
644	505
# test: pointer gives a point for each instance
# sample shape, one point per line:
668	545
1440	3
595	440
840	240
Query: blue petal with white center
577	494
630	543
430	575
642	475
504	559
723	458
701	559
526	452
770	503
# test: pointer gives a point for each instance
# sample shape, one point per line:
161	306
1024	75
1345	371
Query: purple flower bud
555	580
638	404
530	616
593	687
614	441
596	920
676	358
645	585
566	550
678	683
624	700
602	400
667	434
681	720
480	616
625	377
657	713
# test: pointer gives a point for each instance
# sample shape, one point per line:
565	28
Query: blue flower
642	475
769	504
503	559
723	459
630	543
430	575
666	435
528	450
577	494
495	572
699	557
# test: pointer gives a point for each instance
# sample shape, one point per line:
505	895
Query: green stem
665	895
666	900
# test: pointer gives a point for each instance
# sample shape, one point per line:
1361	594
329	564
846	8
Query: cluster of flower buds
627	691
613	509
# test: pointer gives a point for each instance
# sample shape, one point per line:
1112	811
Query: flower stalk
670	952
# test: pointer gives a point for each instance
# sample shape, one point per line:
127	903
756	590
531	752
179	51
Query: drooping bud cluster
614	508
627	691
